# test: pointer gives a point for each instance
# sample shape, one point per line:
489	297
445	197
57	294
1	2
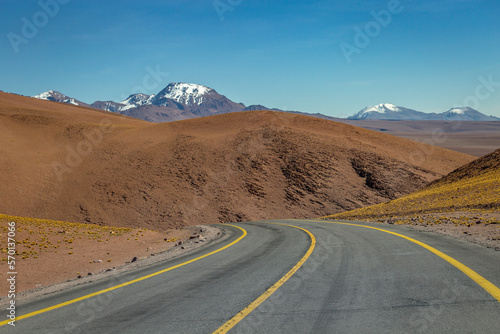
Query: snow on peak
54	95
136	100
391	107
185	93
71	101
45	95
380	108
458	111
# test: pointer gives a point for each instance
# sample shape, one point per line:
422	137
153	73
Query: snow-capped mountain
181	100
108	105
466	114
199	100
185	93
136	100
382	108
133	101
53	95
175	102
389	111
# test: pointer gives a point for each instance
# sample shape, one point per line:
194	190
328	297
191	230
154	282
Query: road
320	278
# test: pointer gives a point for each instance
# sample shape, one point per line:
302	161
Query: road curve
352	279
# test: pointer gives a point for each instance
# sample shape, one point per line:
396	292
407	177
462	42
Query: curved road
354	280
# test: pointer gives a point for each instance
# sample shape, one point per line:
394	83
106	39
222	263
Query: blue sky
296	55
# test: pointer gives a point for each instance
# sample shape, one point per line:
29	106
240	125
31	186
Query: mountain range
388	111
175	102
179	101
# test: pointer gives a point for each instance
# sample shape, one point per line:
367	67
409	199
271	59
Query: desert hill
472	187
488	164
72	163
464	204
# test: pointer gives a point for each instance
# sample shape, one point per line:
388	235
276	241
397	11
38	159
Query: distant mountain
137	100
179	100
133	101
466	114
108	105
175	102
200	100
254	107
187	94
56	96
388	111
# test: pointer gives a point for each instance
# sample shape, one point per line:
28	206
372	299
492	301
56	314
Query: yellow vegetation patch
34	236
48	251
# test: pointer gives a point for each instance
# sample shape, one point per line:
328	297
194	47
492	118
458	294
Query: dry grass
49	251
36	236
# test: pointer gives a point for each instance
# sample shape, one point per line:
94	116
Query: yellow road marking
69	302
247	310
483	282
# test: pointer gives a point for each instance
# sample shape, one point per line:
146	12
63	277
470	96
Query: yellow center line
247	310
69	302
483	282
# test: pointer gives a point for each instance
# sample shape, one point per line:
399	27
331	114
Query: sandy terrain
76	164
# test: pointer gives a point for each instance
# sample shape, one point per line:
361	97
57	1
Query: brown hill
77	164
464	204
484	165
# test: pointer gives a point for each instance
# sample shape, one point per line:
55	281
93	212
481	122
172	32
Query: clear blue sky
428	55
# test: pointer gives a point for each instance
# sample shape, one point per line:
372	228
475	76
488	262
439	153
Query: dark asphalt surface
357	280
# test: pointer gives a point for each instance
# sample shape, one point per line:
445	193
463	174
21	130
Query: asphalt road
356	280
